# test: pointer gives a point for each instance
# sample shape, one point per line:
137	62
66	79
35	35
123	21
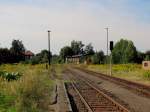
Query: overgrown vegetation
14	54
147	74
30	93
124	52
10	76
133	72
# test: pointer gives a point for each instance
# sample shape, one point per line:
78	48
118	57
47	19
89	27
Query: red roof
28	53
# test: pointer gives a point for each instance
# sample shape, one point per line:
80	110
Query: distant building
146	65
77	59
73	59
28	55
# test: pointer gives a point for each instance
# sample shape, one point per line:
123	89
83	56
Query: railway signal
111	48
111	45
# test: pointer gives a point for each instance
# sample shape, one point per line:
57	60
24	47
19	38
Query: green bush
35	60
10	76
147	74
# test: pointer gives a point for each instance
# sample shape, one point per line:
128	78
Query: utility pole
110	64
49	50
107	51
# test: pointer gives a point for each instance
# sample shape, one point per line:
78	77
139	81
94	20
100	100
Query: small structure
146	65
73	59
77	59
28	55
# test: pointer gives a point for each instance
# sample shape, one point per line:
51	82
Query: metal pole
110	64
107	51
49	51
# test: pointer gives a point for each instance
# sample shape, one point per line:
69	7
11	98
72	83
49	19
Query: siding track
138	88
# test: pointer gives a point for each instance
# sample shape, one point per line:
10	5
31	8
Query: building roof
76	56
28	53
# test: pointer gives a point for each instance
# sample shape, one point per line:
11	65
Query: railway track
93	99
133	86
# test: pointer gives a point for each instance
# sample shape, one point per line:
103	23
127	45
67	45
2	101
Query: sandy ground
133	101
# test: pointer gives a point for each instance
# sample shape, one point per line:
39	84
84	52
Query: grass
132	72
31	93
147	74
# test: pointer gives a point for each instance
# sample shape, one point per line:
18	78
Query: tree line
124	52
78	48
14	54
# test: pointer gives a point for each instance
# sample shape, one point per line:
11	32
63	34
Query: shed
73	59
146	65
28	54
77	59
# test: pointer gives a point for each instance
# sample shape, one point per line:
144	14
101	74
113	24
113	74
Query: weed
29	93
147	74
133	72
10	76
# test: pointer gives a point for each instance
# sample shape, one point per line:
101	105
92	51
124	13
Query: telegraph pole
107	50
49	50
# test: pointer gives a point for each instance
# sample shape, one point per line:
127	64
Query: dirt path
136	103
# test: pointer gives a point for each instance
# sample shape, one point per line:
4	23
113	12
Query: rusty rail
94	99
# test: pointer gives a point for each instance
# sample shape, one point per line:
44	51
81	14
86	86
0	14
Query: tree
98	57
140	57
17	50
17	47
124	52
147	58
147	55
43	56
14	54
77	47
66	51
5	56
148	52
56	59
89	49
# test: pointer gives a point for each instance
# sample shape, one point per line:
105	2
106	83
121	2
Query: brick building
28	55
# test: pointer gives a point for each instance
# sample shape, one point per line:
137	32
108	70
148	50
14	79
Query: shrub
34	93
31	93
35	60
147	74
126	67
10	76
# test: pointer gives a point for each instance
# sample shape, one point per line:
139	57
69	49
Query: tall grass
133	72
31	93
147	74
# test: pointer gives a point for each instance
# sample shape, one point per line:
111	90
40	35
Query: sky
82	20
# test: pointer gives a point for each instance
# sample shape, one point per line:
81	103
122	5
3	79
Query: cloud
85	20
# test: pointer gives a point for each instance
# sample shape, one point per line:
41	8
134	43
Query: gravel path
135	102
